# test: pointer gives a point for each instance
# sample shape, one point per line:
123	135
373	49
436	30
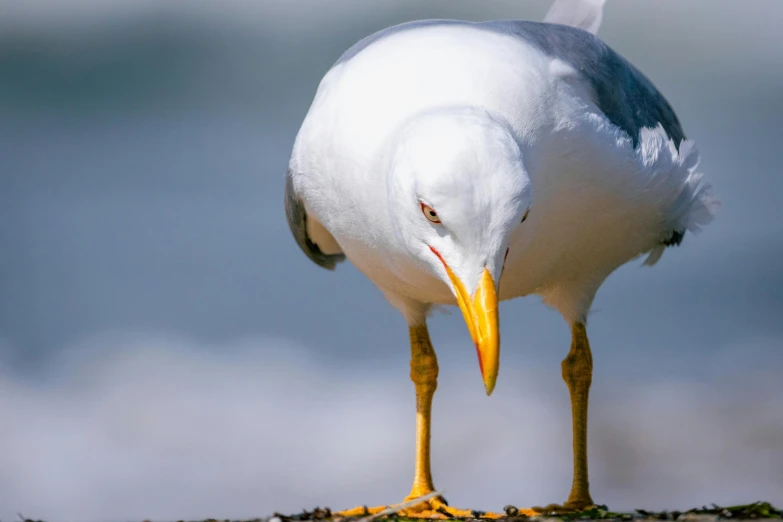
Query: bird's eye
430	213
525	216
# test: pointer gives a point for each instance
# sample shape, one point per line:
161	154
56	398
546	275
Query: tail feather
694	202
584	14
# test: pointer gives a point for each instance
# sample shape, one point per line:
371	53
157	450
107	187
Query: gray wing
297	221
623	93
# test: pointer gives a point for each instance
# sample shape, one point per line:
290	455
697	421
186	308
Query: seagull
463	163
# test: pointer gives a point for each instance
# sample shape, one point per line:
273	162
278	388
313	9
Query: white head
457	190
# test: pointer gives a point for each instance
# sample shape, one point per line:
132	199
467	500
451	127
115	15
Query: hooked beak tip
481	317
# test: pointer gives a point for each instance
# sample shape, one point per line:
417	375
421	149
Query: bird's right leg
424	374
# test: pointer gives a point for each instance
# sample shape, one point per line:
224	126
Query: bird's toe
360	511
438	508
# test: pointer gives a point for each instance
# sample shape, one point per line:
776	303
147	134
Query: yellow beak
481	316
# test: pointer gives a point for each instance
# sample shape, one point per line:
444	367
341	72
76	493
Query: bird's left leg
578	375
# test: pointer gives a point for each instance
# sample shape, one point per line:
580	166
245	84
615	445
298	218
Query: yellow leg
424	374
578	375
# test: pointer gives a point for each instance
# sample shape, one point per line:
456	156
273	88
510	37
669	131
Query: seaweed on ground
755	511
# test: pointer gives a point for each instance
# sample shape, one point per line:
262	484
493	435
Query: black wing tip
296	216
674	239
327	261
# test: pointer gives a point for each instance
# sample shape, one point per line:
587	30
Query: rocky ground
745	512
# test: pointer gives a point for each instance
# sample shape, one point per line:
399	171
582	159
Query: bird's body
467	163
597	200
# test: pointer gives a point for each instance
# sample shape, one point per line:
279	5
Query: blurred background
167	352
